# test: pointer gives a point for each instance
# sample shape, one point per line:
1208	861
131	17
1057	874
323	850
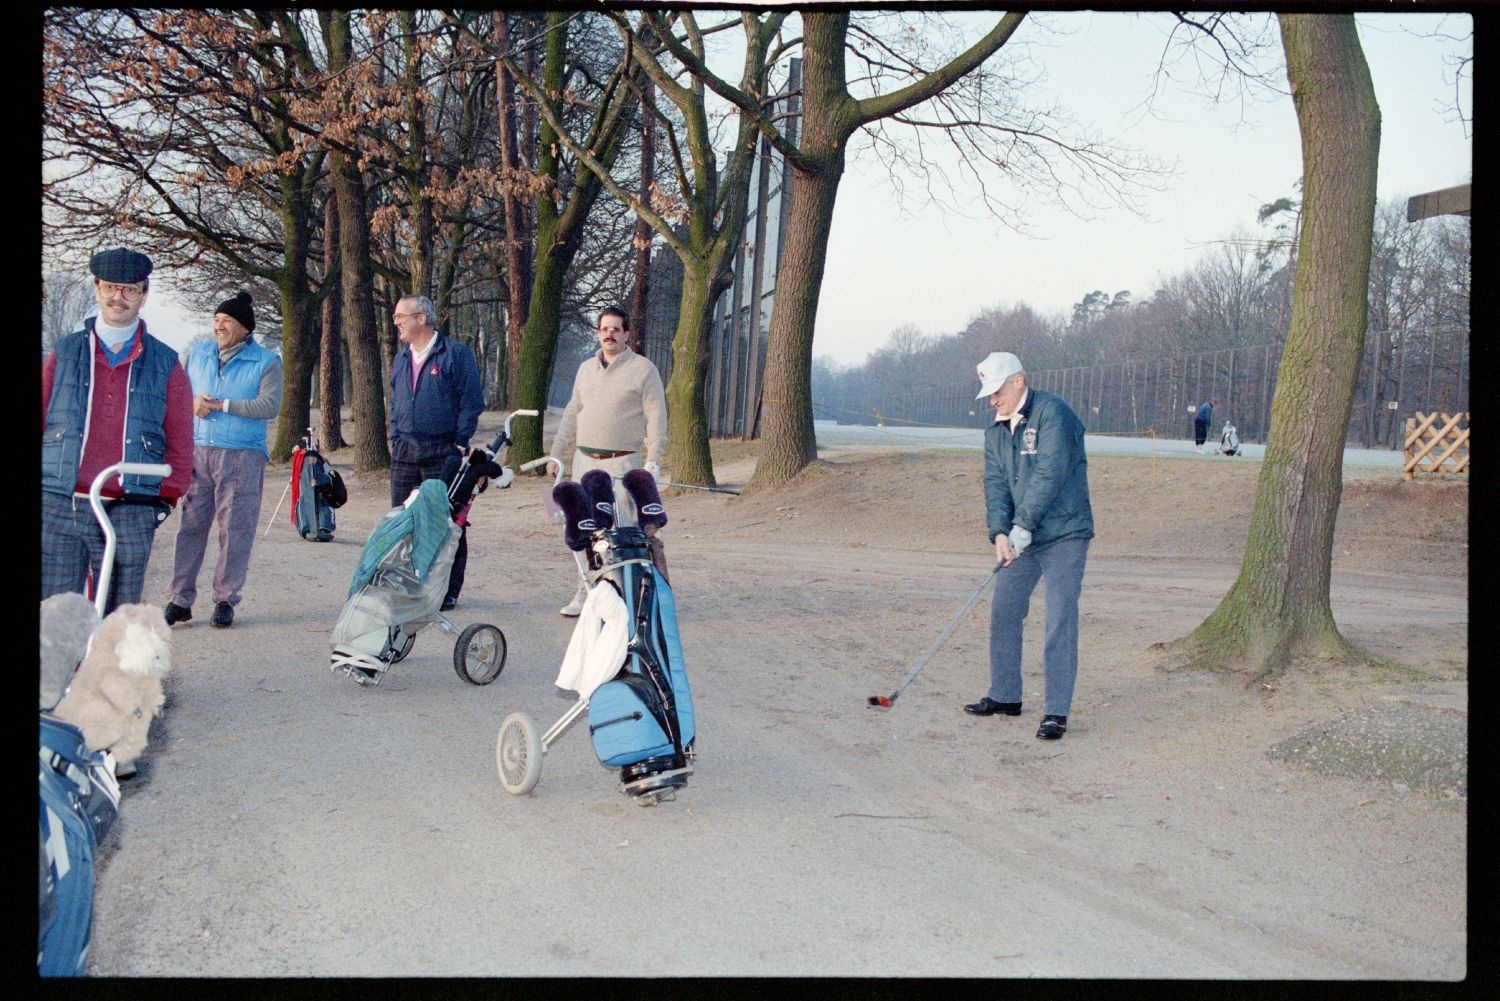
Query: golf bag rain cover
313	486
78	803
627	720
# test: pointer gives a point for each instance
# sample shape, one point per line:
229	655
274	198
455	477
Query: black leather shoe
176	613
223	615
1052	728
449	604
989	707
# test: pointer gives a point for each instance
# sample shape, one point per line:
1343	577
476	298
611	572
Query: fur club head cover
578	517
642	487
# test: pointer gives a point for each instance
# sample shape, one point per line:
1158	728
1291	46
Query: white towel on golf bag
597	648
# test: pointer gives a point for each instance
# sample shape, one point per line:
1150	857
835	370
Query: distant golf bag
398	586
316	491
625	658
1229	441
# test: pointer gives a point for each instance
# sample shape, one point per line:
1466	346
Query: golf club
885	701
690	486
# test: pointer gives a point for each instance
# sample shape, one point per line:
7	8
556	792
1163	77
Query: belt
595	454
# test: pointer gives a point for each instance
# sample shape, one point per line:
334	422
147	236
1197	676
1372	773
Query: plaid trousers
73	547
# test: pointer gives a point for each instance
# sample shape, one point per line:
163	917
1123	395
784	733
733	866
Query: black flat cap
120	265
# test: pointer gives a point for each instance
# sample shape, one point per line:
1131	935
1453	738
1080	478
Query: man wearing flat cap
111	393
237	390
1036	499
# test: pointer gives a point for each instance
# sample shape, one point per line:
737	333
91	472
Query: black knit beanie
240	308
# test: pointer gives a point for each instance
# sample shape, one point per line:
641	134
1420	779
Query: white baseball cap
994	370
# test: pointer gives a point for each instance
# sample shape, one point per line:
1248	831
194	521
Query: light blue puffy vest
239	379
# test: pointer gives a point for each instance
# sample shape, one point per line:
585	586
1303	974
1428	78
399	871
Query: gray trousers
1061	566
226	485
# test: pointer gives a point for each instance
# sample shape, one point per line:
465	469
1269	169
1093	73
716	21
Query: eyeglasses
405	316
130	292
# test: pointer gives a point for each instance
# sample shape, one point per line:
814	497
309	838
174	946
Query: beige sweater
618	408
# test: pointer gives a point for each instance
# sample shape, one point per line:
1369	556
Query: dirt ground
1189	824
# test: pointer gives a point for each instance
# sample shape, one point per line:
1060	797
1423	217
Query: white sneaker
573	608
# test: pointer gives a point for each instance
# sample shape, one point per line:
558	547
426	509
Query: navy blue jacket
443	411
68	407
1205	414
1038	477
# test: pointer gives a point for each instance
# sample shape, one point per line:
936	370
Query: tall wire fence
1402	372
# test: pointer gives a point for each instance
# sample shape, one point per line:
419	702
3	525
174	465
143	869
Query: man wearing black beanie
237	390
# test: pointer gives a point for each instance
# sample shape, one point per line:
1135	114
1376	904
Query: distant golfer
1201	423
1036	499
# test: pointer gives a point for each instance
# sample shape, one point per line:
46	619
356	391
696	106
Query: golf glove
1020	538
654	469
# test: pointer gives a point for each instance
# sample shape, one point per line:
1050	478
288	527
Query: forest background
224	147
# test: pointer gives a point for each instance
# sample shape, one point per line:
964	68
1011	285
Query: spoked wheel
479	654
405	646
518	754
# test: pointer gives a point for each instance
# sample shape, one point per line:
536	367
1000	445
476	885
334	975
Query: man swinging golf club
1036	498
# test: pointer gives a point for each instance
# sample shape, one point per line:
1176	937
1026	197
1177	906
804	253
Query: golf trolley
398	587
78	792
624	660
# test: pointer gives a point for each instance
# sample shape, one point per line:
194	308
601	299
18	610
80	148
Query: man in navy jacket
1036	495
436	399
1202	419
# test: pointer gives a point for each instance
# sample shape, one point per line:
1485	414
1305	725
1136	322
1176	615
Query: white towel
597	648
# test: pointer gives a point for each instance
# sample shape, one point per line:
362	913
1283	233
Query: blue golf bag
78	803
641	721
316	490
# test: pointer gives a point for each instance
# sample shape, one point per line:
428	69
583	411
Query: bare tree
1279	606
66	299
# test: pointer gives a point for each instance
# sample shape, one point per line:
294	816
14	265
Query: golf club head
642	488
600	488
880	701
578	523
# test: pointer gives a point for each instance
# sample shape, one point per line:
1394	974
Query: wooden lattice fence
1437	443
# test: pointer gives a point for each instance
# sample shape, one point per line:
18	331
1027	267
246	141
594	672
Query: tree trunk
1279	607
518	235
688	455
559	233
331	362
787	441
538	347
642	240
368	404
414	162
298	348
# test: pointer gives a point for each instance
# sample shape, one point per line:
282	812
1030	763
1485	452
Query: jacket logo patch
434	370
1028	441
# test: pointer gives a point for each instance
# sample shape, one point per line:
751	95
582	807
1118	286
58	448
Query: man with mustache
616	419
111	393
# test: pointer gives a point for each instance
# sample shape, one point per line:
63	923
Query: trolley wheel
518	754
405	647
479	654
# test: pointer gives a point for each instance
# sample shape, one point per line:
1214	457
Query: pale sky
936	270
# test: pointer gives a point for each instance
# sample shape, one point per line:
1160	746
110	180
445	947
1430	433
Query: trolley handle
107	564
513	415
534	463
